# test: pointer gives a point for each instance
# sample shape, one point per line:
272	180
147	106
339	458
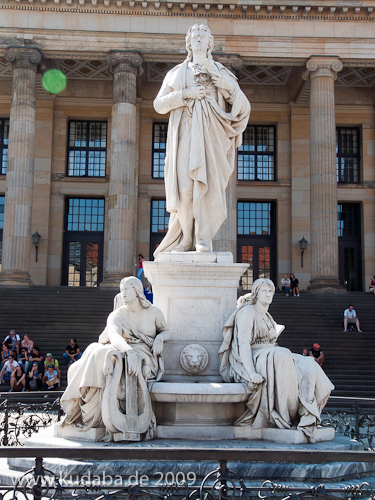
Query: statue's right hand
256	379
133	363
194	93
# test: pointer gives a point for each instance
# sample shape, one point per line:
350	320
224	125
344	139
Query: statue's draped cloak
82	399
207	145
295	389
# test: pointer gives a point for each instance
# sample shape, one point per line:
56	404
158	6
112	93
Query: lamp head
303	244
36	238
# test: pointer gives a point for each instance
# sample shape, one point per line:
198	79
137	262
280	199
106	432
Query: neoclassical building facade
84	168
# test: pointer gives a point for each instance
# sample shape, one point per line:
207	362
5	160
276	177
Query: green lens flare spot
54	81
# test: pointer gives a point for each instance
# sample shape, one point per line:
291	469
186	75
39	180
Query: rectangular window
4	141
256	156
347	155
84	214
159	147
255	218
87	149
159	217
349	220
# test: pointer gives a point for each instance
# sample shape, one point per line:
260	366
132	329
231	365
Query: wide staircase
349	357
53	315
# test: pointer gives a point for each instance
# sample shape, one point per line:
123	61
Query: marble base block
70	432
283	436
287	436
197	292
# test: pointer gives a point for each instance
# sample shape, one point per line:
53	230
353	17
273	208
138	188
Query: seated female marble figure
287	390
98	384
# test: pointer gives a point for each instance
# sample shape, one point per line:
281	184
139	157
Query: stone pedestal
122	203
322	72
197	292
20	171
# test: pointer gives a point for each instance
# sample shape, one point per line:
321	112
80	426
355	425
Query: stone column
20	171
322	72
122	205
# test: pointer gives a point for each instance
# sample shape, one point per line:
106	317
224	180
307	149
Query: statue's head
134	285
261	286
199	35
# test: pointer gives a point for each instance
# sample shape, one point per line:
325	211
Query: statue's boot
202	246
183	246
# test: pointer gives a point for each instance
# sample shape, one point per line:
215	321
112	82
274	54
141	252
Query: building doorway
83	242
256	240
350	248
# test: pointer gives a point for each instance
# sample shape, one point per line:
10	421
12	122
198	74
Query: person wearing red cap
317	354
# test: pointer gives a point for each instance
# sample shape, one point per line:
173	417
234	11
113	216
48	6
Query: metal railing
19	421
219	484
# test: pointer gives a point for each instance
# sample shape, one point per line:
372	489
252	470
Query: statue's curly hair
138	288
202	27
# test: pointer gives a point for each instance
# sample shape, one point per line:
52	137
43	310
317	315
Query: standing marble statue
287	390
208	113
103	391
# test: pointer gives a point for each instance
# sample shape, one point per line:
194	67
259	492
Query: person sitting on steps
350	317
316	353
285	285
294	285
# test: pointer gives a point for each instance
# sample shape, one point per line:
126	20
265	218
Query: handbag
33	384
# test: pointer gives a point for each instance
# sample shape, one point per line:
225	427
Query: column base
325	285
15	279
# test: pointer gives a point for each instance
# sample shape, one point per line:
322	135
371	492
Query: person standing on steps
372	285
294	285
141	260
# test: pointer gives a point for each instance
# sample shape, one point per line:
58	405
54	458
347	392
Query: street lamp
36	240
302	246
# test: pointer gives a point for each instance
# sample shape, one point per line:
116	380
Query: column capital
126	61
322	66
231	61
22	57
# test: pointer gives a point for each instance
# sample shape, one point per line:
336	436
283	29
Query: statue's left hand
223	83
157	347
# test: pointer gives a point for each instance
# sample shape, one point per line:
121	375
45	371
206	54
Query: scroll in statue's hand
133	363
194	93
157	346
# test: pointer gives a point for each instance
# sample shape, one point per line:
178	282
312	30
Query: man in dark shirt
72	352
317	354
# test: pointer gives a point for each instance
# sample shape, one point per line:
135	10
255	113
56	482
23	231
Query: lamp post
302	246
36	240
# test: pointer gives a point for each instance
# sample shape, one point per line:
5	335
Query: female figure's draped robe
295	388
202	136
82	399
